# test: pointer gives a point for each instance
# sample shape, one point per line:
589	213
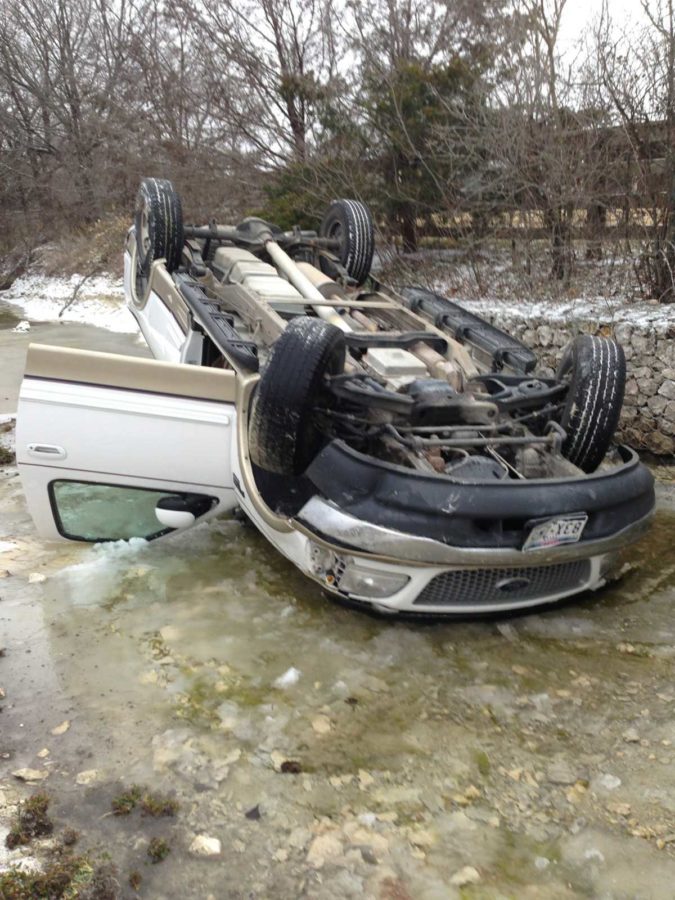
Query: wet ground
334	755
13	346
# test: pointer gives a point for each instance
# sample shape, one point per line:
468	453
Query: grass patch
7	457
150	803
157	805
71	877
158	850
32	820
126	803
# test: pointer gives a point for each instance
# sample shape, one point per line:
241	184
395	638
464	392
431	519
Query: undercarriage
394	430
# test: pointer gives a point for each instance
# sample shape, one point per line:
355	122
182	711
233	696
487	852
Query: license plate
554	532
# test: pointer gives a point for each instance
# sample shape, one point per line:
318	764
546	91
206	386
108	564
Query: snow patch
565	311
100	301
102	570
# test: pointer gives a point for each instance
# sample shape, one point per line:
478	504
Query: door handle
46	451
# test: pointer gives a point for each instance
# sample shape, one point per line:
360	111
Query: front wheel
350	223
282	435
595	369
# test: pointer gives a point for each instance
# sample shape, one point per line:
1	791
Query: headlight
352	576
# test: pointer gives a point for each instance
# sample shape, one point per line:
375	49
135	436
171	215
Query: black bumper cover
489	515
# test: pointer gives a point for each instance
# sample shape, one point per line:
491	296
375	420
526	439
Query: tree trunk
664	262
409	228
561	243
596	219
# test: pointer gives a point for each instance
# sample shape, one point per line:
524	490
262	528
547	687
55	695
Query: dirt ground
316	752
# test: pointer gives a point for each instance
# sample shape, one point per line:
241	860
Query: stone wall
648	339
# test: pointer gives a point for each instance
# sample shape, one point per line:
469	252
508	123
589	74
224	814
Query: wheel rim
145	231
336	233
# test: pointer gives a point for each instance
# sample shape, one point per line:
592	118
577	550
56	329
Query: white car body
117	425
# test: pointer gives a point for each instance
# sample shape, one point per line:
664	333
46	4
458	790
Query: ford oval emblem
510	585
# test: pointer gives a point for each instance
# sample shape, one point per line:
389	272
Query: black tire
159	225
595	368
282	436
350	222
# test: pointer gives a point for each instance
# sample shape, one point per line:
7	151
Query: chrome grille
504	586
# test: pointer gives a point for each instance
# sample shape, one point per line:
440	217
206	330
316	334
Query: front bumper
482	515
460	545
452	581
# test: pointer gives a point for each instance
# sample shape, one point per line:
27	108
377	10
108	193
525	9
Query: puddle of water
8	316
539	750
431	747
13	348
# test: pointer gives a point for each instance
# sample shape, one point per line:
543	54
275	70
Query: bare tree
637	77
277	58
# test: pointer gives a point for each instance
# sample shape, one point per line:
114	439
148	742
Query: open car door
111	447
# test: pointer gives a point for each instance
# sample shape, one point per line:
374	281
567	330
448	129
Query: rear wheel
595	368
350	223
159	225
282	435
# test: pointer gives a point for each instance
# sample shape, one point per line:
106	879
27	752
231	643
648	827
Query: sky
579	16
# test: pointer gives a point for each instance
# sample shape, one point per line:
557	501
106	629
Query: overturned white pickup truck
402	452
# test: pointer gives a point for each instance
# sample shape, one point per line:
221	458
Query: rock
608	782
620	809
545	335
290	677
507	631
367	838
657	404
31	775
560	772
36	578
467	875
62	728
43	754
323	847
321	724
631	736
541	863
203	845
298	838
660	444
622	332
169	633
281	855
667	389
277	759
365	779
368	856
422	838
87	777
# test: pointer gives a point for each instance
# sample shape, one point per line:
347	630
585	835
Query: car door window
88	511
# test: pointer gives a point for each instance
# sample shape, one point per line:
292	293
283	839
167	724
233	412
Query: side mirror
174	518
181	512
